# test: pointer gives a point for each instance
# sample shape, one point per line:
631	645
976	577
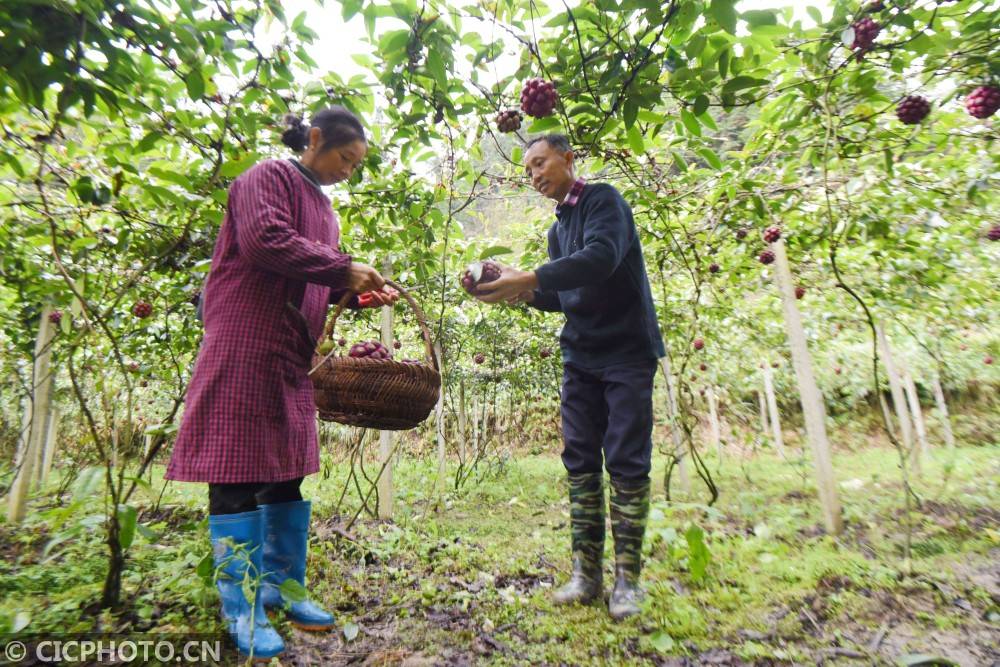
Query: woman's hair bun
296	134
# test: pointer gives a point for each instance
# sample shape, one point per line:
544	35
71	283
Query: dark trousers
237	498
608	411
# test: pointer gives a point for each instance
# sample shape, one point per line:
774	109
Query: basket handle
421	320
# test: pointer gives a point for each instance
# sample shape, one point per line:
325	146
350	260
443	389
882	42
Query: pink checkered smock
249	413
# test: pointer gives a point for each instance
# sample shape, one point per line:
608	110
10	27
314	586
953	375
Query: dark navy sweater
596	277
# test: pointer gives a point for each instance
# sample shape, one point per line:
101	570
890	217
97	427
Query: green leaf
292	591
394	40
435	65
815	14
723	63
724	12
236	167
698	554
195	83
494	251
662	642
710	157
741	83
759	17
127	517
544	125
679	160
635	140
86	483
700	105
691	123
206	567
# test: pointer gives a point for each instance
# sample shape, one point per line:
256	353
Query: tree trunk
913	401
35	416
713	422
772	406
898	400
942	408
675	432
385	489
809	394
111	594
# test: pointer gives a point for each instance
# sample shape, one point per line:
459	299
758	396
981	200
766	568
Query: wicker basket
375	393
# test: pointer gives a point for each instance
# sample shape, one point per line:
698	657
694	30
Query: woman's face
334	164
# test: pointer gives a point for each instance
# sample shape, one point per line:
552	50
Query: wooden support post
439	422
942	409
48	452
762	406
385	488
461	421
913	402
713	421
35	416
898	399
675	432
772	406
809	394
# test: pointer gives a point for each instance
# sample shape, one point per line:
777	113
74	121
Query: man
610	345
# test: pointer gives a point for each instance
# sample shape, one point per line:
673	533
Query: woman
249	427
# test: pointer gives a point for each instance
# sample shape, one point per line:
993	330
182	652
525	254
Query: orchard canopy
815	188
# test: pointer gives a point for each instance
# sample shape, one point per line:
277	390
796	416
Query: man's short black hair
559	142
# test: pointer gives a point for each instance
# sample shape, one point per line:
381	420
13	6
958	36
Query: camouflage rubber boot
629	511
586	513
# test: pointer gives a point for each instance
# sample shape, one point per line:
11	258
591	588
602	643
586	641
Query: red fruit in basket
479	273
538	98
369	349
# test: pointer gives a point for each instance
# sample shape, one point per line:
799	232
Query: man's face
550	171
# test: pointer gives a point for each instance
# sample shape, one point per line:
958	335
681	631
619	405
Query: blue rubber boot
246	620
286	539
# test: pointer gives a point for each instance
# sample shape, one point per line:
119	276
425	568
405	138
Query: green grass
469	573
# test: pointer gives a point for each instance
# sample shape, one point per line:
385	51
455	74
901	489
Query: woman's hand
363	278
378	298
